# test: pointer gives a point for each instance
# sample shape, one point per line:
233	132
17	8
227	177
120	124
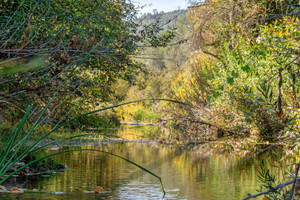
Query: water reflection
187	173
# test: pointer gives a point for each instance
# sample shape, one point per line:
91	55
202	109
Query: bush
97	121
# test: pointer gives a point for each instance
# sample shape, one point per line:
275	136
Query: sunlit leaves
230	80
216	94
246	68
234	87
46	39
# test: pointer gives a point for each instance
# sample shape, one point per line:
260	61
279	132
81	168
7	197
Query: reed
9	153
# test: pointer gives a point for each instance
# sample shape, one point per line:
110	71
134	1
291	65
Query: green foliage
58	59
245	74
145	115
42	41
108	120
140	112
269	183
266	177
154	35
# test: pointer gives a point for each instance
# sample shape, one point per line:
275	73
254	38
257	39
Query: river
193	172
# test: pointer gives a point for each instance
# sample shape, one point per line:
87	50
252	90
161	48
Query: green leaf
248	120
239	127
78	93
216	94
209	98
246	68
20	65
230	80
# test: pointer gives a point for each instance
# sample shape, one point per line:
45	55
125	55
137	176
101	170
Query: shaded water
187	172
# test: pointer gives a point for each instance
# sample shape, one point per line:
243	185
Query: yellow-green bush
241	89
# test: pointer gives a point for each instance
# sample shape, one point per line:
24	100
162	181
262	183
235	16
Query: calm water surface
187	172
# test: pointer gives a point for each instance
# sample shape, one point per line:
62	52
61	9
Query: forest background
235	65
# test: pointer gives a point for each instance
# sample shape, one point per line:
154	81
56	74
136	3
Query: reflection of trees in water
139	132
197	171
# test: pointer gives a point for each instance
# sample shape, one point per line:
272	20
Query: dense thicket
75	48
235	62
245	75
242	68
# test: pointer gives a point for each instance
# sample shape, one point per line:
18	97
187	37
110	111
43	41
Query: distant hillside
167	19
177	52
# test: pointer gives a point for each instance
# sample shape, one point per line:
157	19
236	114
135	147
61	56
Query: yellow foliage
189	82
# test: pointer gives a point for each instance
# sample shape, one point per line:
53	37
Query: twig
277	16
279	92
275	188
284	67
269	147
295	180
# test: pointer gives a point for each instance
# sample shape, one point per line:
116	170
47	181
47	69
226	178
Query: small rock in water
46	176
59	193
62	169
20	191
55	147
98	189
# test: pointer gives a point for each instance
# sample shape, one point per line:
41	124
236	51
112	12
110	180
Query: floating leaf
98	189
15	189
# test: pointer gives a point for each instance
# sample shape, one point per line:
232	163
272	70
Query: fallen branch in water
273	189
